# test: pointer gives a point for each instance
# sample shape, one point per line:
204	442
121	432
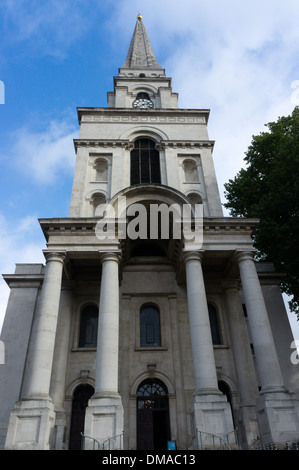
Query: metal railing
273	446
114	443
95	444
111	443
208	441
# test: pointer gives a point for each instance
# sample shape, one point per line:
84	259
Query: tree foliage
268	188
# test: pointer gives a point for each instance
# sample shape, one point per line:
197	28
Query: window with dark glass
214	322
145	162
88	327
150	332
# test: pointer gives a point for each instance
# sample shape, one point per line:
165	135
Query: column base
278	418
104	423
31	426
211	422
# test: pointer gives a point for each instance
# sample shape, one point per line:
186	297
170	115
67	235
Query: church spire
140	54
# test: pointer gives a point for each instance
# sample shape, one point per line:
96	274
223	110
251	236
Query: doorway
153	428
80	401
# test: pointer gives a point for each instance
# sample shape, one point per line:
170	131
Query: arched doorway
80	401
225	389
153	429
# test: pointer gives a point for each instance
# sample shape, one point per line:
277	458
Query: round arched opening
153	427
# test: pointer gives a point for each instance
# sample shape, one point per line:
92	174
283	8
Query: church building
150	322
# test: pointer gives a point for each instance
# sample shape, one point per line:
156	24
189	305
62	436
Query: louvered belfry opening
145	162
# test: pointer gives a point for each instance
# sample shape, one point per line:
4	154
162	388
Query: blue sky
239	59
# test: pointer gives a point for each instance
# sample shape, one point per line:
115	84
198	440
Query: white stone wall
15	337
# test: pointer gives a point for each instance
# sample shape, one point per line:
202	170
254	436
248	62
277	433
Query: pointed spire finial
140	54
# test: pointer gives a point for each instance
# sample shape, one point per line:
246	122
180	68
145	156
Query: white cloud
20	242
238	59
47	154
49	26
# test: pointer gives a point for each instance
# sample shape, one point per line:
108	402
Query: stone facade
217	362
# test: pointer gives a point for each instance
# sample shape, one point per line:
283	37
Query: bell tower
142	106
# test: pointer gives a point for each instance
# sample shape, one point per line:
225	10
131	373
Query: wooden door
153	429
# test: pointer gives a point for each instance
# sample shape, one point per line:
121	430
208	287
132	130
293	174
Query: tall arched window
97	202
150	332
145	162
88	327
214	322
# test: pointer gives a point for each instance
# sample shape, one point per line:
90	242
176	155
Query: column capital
242	255
192	255
55	256
110	256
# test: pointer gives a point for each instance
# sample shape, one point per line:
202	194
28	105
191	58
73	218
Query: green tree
268	188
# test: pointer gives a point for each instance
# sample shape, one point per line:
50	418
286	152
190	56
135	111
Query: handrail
105	445
215	440
114	439
92	438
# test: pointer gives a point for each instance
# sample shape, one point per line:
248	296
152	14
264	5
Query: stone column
247	383
210	411
200	329
59	370
266	358
32	420
277	409
104	414
108	328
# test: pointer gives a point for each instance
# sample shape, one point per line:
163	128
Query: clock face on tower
143	101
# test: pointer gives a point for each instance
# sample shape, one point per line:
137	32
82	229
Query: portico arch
161	207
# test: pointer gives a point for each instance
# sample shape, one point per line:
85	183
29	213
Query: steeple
140	55
141	81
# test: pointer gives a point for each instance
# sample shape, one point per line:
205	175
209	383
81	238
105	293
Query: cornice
86	225
23	280
127	145
161	115
102	143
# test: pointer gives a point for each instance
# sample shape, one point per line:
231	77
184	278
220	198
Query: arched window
214	322
195	198
196	204
88	327
150	332
97	201
145	162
